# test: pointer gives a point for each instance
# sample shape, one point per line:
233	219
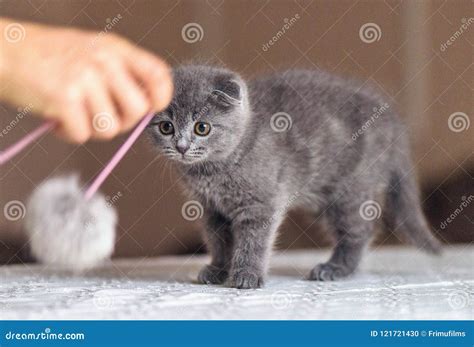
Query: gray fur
247	173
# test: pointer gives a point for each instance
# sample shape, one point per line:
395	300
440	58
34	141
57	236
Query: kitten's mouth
188	159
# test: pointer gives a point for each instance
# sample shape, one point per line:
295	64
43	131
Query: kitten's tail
404	215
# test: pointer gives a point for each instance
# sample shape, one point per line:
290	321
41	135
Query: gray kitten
251	151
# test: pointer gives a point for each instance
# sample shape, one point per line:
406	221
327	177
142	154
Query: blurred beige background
409	60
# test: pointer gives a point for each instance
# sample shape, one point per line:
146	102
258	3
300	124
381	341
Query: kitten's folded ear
228	91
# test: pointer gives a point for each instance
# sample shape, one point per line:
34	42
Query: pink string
16	148
118	156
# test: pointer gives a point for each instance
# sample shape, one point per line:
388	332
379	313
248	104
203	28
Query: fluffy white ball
66	230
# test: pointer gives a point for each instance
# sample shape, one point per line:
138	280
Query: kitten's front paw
211	274
243	279
328	272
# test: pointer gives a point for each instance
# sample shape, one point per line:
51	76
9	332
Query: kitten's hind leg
219	243
353	233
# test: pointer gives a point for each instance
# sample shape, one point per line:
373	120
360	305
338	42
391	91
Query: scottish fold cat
250	151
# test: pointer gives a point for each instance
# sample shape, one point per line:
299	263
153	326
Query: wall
426	82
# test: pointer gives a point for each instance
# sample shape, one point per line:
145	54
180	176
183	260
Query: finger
132	101
68	110
154	75
102	111
74	125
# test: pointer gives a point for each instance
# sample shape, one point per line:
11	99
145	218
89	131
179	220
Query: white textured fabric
393	283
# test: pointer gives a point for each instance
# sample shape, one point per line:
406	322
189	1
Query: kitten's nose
182	147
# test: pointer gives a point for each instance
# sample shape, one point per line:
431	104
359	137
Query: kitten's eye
166	128
202	129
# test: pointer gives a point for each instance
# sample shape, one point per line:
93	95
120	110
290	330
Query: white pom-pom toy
68	227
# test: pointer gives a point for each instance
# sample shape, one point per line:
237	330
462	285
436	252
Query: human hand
93	86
